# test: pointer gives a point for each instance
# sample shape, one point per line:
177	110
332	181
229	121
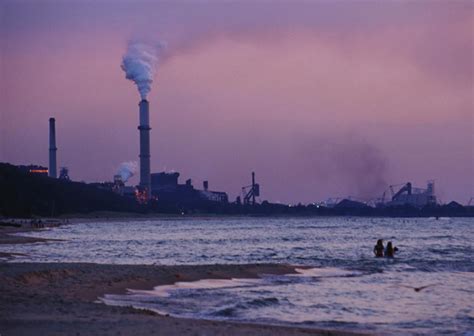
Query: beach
235	276
62	298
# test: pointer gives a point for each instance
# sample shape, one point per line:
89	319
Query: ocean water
345	287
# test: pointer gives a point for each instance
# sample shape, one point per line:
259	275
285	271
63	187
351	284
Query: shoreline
8	236
62	298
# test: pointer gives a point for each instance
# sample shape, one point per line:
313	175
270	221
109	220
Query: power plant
159	186
144	128
162	192
164	186
52	148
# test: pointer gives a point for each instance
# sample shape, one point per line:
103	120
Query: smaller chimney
205	185
52	148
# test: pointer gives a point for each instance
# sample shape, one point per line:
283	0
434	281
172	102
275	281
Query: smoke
363	167
139	64
127	170
351	166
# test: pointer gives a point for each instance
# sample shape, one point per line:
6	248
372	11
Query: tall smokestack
144	128
52	148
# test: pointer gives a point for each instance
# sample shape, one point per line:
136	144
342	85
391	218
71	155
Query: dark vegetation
23	195
26	195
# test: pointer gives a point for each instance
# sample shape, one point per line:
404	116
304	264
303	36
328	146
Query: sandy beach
62	298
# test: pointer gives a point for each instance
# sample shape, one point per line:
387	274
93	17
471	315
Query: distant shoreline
117	216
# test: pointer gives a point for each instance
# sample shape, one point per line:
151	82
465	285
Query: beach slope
61	299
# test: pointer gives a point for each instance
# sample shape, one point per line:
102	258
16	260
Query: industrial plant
162	191
165	190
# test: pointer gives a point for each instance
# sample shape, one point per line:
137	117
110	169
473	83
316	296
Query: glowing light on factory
39	171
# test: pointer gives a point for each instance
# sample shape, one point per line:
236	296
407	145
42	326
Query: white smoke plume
139	64
127	170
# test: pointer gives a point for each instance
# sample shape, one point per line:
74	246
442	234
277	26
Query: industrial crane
393	195
406	188
250	192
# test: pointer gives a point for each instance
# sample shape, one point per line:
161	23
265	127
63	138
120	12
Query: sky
320	98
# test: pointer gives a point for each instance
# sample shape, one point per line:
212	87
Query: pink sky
321	99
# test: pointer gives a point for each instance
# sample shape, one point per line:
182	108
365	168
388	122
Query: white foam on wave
165	290
117	300
134	297
324	272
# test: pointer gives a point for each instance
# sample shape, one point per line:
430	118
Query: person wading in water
379	249
390	250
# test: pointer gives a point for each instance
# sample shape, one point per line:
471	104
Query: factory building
409	195
117	186
120	188
165	187
212	196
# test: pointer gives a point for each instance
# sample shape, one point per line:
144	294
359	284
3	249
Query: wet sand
62	298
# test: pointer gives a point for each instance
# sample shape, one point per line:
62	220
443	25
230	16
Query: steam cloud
127	170
139	64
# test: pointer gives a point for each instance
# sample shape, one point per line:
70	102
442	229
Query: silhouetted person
379	248
390	250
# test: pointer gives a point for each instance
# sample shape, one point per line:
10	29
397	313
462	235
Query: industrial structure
333	202
120	188
396	195
144	128
250	192
165	188
212	196
64	174
52	148
409	195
